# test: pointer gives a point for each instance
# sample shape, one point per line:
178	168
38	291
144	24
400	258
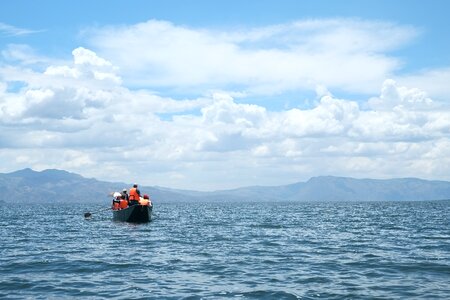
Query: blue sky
61	21
224	94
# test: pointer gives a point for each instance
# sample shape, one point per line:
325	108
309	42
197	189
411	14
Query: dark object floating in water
134	214
87	215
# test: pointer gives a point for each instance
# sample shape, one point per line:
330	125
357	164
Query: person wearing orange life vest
123	202
145	201
125	194
115	205
134	195
116	201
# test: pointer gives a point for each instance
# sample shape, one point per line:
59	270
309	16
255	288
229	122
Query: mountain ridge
59	186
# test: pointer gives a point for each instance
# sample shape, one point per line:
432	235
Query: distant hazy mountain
59	186
26	186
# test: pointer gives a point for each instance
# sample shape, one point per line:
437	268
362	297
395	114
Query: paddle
87	214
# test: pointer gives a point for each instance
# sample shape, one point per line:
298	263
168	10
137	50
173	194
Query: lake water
384	250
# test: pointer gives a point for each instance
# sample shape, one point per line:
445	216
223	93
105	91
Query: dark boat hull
134	214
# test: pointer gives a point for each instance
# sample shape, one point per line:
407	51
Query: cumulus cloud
80	116
261	60
434	81
50	95
86	65
393	96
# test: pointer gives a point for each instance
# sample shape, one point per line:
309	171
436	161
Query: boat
133	214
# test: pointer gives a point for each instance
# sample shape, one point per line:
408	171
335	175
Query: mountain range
58	186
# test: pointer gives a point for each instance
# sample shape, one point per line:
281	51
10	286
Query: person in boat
116	200
125	194
123	202
145	200
135	195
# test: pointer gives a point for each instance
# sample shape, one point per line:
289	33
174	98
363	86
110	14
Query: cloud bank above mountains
100	114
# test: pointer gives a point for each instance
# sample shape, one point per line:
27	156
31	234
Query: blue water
381	250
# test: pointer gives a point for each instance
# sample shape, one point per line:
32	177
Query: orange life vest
123	203
133	194
143	201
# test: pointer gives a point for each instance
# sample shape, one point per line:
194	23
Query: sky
210	95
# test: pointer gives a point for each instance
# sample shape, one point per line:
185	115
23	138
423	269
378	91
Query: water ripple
228	250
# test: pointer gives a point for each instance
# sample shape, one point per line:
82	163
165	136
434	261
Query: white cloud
337	53
434	81
9	30
68	116
22	54
86	65
330	117
393	97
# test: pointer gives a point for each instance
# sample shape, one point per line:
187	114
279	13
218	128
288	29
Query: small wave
260	294
305	251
